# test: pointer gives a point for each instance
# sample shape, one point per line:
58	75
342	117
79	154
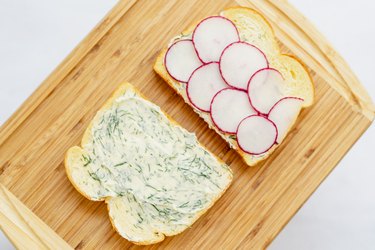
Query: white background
37	35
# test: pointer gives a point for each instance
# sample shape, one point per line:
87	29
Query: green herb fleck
120	164
233	137
94	176
87	160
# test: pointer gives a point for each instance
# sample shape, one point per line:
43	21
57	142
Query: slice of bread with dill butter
155	177
188	75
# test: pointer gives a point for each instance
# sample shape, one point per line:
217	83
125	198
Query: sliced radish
239	61
203	84
228	108
256	134
181	60
284	113
212	35
265	89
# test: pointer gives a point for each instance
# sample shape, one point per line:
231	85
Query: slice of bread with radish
229	68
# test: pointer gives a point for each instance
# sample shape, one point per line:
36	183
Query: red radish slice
265	89
256	135
239	62
212	35
181	60
284	114
203	84
228	108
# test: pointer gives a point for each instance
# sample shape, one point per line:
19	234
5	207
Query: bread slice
155	176
254	29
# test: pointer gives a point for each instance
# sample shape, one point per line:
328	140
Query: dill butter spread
156	174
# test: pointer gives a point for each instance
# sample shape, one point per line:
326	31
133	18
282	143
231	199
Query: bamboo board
123	47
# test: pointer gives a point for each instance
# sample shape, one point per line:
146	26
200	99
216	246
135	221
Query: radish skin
265	89
239	61
181	60
203	84
212	35
284	114
228	108
256	134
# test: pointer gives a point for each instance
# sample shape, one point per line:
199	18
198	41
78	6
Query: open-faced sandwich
229	68
155	177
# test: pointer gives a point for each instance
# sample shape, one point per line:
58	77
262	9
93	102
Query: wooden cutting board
39	207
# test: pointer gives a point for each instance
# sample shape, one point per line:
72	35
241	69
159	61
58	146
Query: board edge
23	228
320	57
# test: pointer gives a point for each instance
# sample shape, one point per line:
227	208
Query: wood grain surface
24	228
123	47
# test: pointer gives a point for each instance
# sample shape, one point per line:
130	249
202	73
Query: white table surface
35	36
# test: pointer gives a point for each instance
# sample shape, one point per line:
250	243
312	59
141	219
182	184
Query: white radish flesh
265	89
239	62
284	115
203	84
228	108
212	35
256	135
181	60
